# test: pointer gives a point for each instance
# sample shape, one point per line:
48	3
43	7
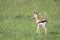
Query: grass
17	22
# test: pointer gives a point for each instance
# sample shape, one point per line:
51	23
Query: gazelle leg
44	26
37	31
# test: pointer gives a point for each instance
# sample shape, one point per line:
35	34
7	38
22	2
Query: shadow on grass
29	17
54	33
57	0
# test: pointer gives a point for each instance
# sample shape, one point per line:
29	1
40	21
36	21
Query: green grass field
17	21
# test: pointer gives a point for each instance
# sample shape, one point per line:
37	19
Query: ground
17	21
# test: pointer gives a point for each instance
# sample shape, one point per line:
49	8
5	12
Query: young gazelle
40	22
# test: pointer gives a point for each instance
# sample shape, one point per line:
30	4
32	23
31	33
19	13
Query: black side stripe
42	21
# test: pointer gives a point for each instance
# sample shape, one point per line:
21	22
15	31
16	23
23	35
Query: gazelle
40	22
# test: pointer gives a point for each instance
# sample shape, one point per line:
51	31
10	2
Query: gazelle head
36	14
